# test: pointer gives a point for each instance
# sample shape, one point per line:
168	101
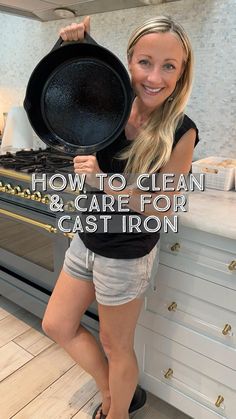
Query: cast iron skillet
79	97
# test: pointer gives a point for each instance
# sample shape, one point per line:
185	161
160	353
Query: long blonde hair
153	145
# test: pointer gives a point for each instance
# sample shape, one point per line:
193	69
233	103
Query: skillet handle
87	38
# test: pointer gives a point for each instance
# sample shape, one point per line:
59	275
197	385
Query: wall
211	25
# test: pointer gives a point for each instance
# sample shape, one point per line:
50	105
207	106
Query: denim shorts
116	281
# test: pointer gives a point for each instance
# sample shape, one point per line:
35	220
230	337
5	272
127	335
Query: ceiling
44	10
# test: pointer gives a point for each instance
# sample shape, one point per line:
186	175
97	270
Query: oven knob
16	190
46	199
26	194
36	196
69	206
7	188
1	186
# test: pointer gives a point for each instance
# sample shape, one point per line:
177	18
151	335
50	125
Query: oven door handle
46	227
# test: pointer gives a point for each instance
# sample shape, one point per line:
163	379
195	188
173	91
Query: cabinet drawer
204	255
193	302
211	387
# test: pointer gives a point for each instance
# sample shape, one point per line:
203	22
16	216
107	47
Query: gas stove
37	161
32	248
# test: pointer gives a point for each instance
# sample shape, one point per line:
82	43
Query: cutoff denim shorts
116	281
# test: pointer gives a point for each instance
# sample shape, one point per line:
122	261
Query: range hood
44	11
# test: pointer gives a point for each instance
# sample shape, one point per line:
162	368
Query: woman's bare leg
117	327
69	300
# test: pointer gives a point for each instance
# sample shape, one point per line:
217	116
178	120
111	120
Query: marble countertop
211	211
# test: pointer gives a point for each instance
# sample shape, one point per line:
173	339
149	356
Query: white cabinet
186	334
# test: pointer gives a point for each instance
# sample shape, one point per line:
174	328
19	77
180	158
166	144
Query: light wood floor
38	380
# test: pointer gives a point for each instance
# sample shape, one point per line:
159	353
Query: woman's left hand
89	166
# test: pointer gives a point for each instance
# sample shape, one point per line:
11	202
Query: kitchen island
186	334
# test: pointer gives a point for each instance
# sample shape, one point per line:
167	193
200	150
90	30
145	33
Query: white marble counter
212	211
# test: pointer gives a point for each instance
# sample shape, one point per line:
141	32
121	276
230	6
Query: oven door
30	247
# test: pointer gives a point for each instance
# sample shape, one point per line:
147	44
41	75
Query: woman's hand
89	166
75	31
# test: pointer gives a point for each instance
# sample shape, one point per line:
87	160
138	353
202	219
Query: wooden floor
38	380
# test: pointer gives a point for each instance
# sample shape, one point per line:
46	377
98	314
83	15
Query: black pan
79	97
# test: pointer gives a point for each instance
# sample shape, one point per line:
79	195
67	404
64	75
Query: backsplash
211	25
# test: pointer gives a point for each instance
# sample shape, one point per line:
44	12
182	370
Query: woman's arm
75	31
179	163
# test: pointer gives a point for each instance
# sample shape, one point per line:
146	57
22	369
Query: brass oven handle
70	235
46	227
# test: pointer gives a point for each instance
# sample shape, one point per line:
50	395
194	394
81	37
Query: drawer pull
232	265
226	329
219	400
175	247
168	373
173	306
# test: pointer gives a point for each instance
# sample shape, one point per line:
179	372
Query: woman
115	268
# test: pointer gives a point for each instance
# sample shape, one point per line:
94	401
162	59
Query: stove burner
37	161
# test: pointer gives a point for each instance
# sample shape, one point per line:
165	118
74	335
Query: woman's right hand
75	31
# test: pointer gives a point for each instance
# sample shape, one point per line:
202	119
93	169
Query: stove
32	248
37	161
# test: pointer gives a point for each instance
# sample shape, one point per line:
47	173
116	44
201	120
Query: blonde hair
152	147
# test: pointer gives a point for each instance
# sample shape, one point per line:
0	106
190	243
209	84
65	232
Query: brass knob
1	186
16	190
7	188
46	199
69	206
36	196
173	306
175	247
168	373
219	400
226	329
232	265
26	193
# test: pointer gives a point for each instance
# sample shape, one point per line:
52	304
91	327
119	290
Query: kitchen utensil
79	97
18	133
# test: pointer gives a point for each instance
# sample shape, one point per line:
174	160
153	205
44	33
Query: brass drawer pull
168	373
175	247
173	306
1	186
232	265
226	329
219	400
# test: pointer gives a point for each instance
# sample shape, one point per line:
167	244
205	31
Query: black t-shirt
126	245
